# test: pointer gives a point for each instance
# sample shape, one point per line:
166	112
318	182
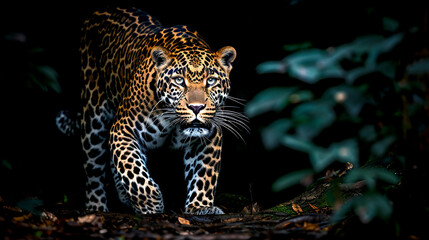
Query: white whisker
237	100
153	108
234	118
229	127
233	123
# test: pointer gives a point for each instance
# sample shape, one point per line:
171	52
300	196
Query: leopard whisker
239	101
231	128
152	110
165	117
173	122
203	140
242	120
234	118
235	124
228	106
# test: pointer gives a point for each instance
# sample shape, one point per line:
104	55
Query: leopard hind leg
95	126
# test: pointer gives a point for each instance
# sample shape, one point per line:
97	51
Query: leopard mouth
196	129
196	124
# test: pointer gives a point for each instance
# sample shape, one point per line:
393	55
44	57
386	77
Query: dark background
48	165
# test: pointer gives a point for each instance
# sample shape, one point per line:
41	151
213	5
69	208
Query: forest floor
73	224
304	217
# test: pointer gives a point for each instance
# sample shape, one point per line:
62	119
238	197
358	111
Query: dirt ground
62	223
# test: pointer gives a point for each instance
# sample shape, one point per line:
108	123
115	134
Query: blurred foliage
23	66
350	104
32	205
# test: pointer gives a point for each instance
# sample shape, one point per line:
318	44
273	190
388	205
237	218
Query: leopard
145	84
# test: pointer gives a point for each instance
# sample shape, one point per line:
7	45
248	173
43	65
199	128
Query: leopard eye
211	81
179	80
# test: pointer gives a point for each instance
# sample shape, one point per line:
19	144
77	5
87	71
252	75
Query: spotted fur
143	83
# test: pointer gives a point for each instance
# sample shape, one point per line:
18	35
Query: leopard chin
196	132
196	129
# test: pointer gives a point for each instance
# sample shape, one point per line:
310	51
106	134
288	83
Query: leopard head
193	84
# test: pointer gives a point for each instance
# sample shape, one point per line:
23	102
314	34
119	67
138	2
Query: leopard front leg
133	182
202	166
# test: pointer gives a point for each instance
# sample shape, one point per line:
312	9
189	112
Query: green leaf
307	56
271	99
346	151
312	117
375	44
30	205
379	148
320	158
419	68
272	135
291	179
349	96
389	43
303	64
366	207
49	78
38	234
271	67
386	176
358	72
301	96
370	176
365	49
368	133
358	174
390	24
384	45
296	143
310	66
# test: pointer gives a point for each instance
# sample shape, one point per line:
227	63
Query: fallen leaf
23	217
48	216
250	209
14	209
296	208
184	221
86	219
282	225
91	219
316	209
232	220
310	226
349	166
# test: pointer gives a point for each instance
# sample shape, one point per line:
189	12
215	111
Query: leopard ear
161	57
226	56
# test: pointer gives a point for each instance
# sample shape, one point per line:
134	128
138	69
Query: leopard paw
203	210
97	208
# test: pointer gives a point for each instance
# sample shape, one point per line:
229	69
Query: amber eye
179	80
211	81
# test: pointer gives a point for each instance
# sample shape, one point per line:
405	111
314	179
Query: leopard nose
196	108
